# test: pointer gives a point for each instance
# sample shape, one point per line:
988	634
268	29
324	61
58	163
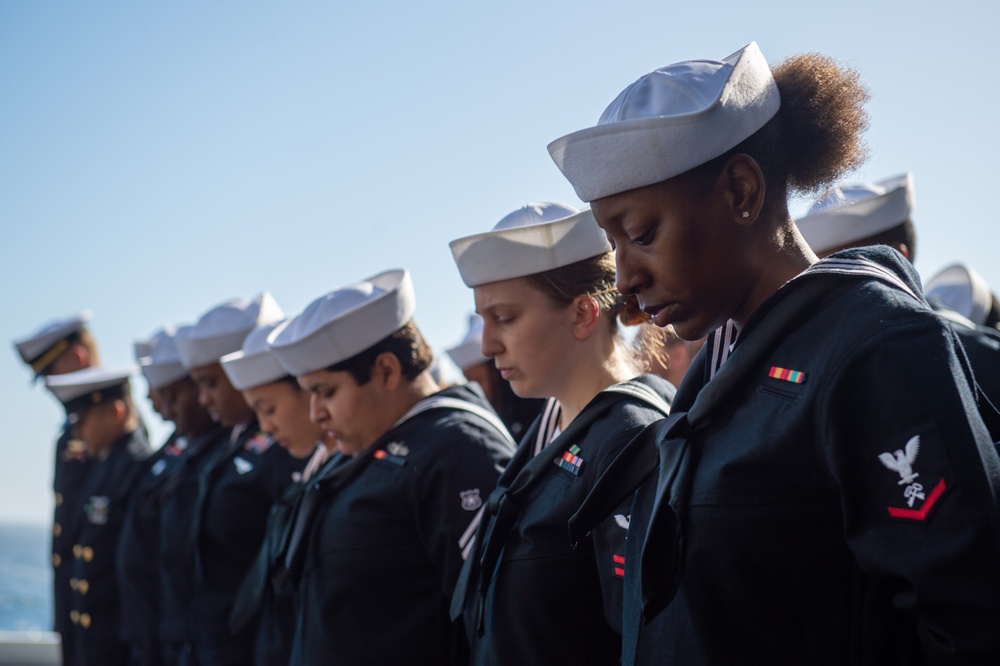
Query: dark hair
993	317
406	344
291	381
902	234
594	276
815	137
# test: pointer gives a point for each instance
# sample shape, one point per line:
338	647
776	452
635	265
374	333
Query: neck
580	386
787	255
401	400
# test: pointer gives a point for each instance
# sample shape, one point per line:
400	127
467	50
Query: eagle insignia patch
916	493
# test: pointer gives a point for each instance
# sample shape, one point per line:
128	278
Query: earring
746	214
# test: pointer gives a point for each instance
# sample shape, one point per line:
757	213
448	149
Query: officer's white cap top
535	238
963	290
345	322
850	213
73	385
468	353
668	122
33	348
255	364
222	329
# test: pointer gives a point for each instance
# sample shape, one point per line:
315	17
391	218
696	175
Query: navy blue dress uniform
95	612
139	556
71	470
177	498
39	351
235	494
377	543
826	495
523	547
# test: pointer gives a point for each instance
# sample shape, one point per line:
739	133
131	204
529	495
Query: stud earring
746	214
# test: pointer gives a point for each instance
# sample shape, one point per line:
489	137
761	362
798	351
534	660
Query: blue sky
157	158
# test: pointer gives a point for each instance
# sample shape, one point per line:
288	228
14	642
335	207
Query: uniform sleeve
918	479
450	492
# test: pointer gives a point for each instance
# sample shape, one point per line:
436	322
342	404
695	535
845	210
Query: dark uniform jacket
530	597
139	555
177	497
377	543
235	494
70	473
829	496
96	610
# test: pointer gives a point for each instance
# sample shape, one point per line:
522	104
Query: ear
743	188
119	410
387	370
82	355
903	250
586	314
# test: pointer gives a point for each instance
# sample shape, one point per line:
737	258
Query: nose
266	425
490	345
203	398
628	280
317	412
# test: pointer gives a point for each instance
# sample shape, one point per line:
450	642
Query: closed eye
644	238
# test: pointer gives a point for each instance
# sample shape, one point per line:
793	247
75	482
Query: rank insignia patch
242	466
471	499
97	509
921	467
571	462
786	375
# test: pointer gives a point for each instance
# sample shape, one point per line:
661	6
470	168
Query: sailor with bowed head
827	492
228	493
58	347
543	280
142	564
264	613
379	536
99	407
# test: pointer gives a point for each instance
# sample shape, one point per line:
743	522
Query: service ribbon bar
784	374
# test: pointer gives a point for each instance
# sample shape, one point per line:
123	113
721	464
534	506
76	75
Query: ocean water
25	578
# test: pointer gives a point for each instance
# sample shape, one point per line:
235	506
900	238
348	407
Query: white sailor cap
533	239
255	364
963	290
43	347
80	390
850	213
668	122
469	352
222	329
162	366
345	322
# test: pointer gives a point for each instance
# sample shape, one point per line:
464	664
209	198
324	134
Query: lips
505	373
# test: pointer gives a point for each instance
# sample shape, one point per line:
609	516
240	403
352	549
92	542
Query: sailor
139	556
517	413
881	213
99	407
378	539
544	283
236	486
827	492
62	346
170	489
263	611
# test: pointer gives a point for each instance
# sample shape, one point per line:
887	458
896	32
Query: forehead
320	379
515	291
211	371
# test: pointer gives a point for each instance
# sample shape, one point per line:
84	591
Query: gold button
84	620
82	586
59	499
73	584
56	560
56	530
74	616
77	551
88	554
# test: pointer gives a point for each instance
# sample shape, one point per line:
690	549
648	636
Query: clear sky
157	158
